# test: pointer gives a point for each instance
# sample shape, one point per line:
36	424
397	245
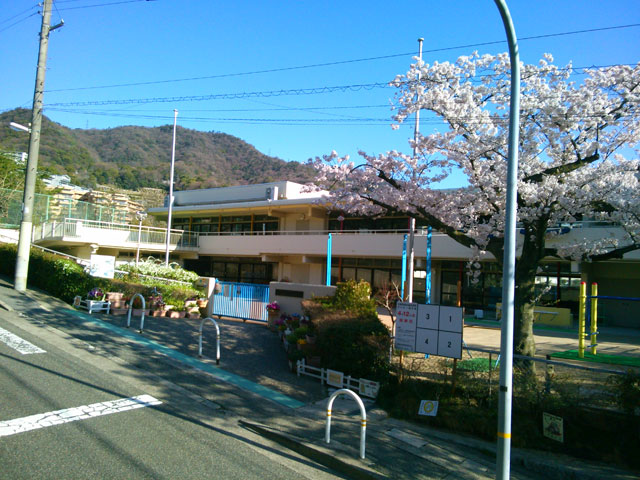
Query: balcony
113	235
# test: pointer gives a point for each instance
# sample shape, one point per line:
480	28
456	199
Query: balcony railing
105	232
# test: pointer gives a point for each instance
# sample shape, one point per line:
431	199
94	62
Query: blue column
329	260
428	282
404	267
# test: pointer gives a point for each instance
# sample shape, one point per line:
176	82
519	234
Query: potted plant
293	356
156	305
202	302
273	310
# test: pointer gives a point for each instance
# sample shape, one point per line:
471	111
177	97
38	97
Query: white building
278	232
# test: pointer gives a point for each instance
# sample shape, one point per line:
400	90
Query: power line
229	96
339	62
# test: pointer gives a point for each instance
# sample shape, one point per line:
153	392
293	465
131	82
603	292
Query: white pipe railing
217	339
144	307
363	420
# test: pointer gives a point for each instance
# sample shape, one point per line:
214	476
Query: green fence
47	208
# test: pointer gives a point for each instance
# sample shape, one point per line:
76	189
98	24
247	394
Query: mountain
133	157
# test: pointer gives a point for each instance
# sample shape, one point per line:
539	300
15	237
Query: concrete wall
289	295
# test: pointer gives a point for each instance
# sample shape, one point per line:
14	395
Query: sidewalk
394	449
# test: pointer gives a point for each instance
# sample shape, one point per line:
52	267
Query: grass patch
599	358
477	365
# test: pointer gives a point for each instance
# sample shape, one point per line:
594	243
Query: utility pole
173	160
26	224
412	220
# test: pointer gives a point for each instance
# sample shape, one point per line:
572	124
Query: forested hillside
134	157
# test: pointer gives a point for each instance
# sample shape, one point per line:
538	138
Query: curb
324	456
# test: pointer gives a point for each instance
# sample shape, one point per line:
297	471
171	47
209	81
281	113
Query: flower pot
202	303
311	339
158	313
118	311
194	314
174	314
271	322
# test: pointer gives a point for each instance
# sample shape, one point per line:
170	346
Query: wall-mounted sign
428	408
429	329
335	378
553	427
102	266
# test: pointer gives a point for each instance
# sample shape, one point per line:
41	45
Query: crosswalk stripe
42	420
19	344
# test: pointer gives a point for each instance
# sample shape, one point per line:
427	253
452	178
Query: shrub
349	336
353	297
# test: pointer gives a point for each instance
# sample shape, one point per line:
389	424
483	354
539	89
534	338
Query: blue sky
119	42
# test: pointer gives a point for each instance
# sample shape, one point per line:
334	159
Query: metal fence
247	301
48	208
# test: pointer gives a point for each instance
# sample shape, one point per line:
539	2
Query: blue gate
247	301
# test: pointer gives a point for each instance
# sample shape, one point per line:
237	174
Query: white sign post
429	329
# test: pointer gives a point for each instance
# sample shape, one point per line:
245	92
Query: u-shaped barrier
144	306
363	421
217	339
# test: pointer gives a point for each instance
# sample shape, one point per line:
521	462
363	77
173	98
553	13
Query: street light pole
503	459
26	224
173	159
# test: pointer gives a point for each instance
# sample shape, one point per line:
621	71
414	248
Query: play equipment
588	309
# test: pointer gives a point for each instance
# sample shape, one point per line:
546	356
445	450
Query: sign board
406	320
102	266
428	408
553	427
369	388
429	329
335	378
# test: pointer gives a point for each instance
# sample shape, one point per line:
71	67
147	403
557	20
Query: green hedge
58	276
63	278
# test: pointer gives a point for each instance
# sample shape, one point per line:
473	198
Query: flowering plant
95	294
156	302
273	307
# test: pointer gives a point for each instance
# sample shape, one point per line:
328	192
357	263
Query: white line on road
41	420
19	344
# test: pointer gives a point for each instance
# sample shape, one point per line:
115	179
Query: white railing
127	234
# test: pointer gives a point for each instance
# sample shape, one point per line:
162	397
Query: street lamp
19	128
141	216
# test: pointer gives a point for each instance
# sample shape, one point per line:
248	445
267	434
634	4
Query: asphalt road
180	436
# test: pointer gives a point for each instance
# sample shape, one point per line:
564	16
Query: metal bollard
217	339
363	421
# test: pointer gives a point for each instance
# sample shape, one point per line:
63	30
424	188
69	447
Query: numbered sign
427	341
428	316
451	319
450	344
429	329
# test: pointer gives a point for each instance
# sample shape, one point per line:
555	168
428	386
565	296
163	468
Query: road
105	418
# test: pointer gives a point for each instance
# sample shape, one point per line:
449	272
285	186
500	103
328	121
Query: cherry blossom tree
578	161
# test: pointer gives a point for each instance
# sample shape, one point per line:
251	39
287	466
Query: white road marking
19	344
41	420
